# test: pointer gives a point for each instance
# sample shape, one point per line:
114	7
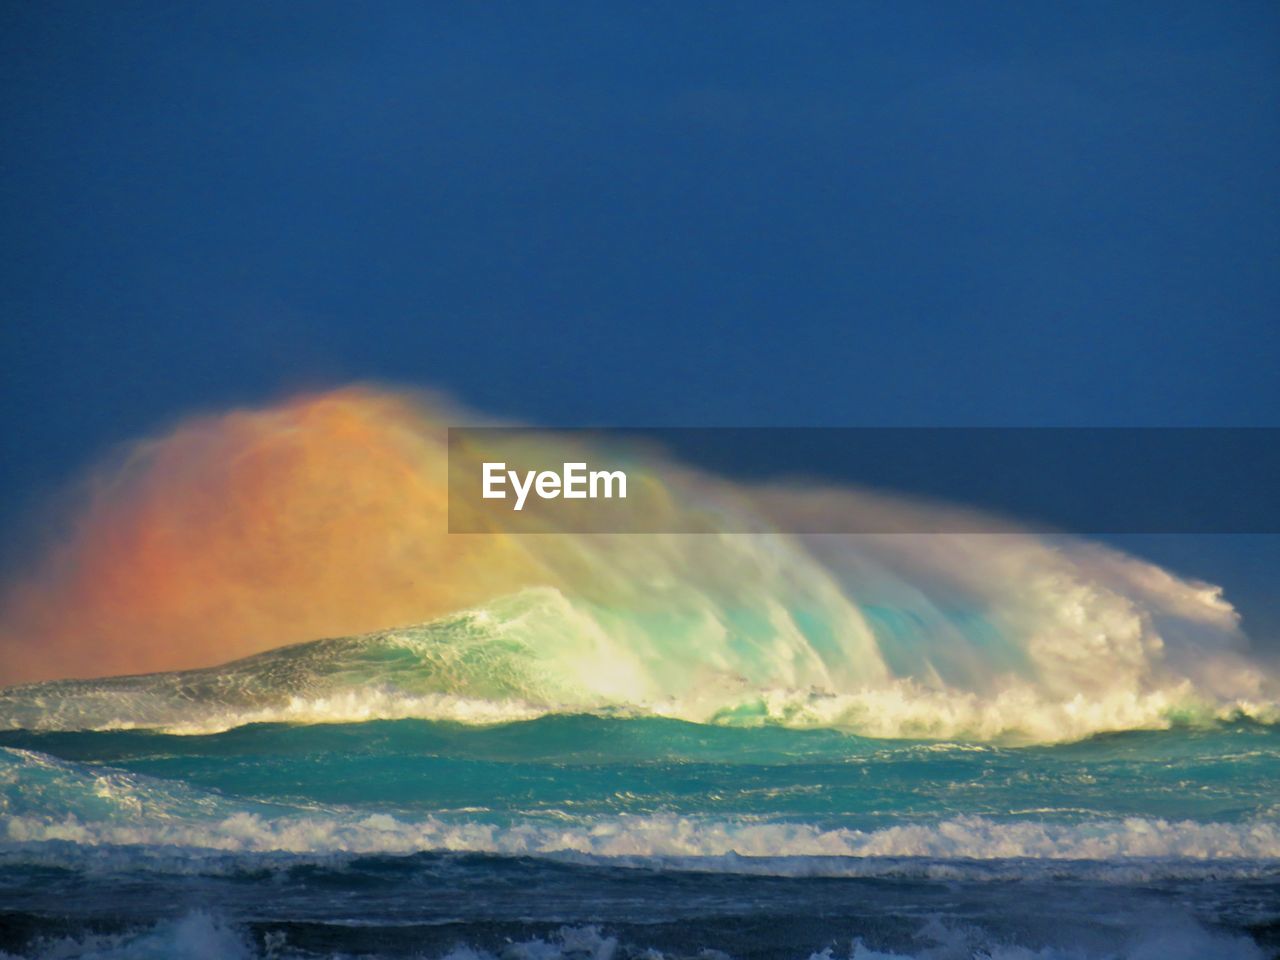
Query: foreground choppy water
599	836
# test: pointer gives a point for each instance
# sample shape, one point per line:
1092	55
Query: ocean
406	794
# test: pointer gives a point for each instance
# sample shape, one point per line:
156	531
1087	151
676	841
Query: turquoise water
587	766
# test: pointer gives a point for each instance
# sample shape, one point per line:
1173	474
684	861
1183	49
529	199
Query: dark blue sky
754	214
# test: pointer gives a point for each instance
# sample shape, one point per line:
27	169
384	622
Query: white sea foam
693	843
901	709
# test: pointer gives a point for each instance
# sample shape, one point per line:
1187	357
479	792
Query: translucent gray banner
864	480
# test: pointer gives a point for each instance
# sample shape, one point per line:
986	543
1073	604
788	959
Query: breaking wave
327	516
538	652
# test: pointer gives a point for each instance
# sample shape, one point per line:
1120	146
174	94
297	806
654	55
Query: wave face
539	652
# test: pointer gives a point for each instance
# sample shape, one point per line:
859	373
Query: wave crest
537	653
